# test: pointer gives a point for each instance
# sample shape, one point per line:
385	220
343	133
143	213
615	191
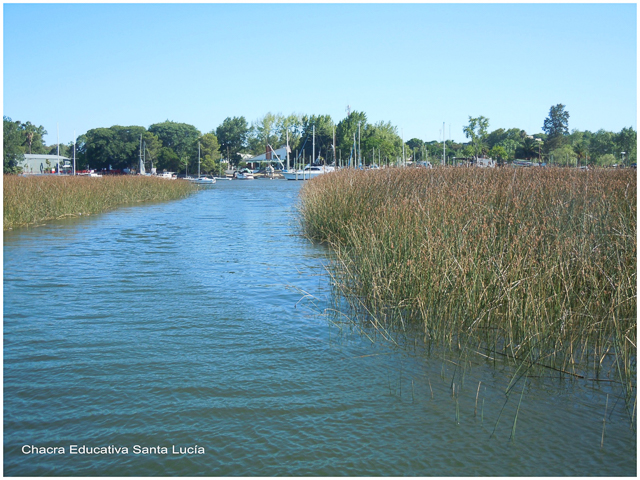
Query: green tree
291	124
564	156
323	137
232	135
116	146
346	132
467	151
12	149
602	143
384	139
556	126
182	138
510	147
168	160
33	138
581	151
606	160
264	131
529	149
476	130
495	137
210	153
627	141
498	153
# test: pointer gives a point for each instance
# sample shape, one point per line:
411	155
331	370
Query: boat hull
306	174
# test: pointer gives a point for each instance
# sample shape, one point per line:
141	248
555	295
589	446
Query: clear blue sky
85	66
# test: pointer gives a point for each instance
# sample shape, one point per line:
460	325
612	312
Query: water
198	322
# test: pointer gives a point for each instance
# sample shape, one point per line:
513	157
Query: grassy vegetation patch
37	199
538	265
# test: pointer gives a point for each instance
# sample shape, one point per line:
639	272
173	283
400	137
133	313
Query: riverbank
37	199
538	265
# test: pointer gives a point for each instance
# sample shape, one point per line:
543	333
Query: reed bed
538	266
37	199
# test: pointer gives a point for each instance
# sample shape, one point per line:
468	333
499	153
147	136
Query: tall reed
37	199
538	265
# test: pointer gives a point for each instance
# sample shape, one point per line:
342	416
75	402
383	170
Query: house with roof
278	156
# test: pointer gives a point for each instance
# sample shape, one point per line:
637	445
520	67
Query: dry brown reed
538	265
32	200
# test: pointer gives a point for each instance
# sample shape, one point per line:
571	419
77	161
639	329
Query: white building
271	155
36	163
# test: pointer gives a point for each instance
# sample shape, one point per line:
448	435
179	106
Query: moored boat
308	172
203	180
243	174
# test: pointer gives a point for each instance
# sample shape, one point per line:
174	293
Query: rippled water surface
197	322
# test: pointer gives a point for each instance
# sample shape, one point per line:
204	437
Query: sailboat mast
334	145
313	149
444	146
74	152
287	150
198	159
359	149
404	163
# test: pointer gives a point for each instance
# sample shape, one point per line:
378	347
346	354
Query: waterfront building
39	163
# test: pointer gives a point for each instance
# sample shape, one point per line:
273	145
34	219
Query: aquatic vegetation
36	199
538	266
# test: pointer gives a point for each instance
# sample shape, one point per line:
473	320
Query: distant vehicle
633	165
425	164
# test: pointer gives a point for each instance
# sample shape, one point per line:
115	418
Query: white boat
203	180
167	175
243	174
308	172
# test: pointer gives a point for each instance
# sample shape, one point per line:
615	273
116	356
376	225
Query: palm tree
30	140
529	148
581	151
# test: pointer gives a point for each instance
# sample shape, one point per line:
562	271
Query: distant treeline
173	146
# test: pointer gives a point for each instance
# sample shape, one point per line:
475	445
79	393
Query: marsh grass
37	199
536	266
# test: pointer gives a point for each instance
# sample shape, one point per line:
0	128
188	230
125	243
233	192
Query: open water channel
200	322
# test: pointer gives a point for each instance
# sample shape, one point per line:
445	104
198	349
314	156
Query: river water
201	322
